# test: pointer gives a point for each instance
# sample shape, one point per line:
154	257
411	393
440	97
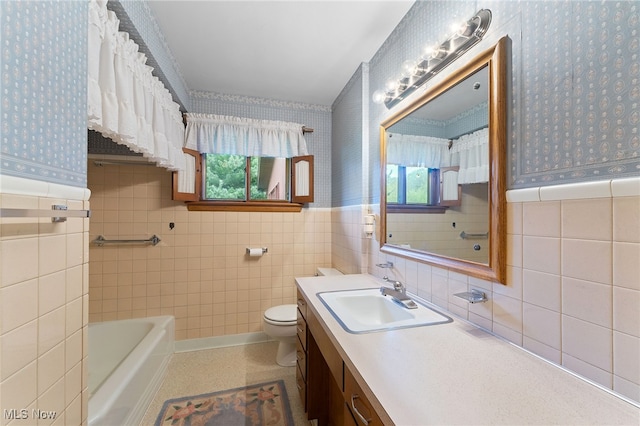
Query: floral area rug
256	405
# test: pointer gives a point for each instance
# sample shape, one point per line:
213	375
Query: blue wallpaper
44	91
581	92
346	149
318	117
575	85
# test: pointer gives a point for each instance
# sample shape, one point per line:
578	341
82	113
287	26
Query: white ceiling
304	51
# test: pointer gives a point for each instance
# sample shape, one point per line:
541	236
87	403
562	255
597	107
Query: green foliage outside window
417	185
407	185
225	178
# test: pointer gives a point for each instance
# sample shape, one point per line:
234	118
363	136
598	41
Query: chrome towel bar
465	236
100	241
58	213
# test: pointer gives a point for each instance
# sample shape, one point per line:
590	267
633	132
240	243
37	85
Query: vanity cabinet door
357	406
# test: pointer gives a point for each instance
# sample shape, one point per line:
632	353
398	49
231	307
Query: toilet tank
327	271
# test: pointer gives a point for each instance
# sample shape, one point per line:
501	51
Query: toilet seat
282	315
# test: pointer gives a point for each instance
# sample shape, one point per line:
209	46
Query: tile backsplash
43	313
199	272
572	293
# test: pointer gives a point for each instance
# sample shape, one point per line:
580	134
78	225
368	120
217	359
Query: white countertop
457	373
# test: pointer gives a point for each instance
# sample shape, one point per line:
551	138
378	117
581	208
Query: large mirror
443	172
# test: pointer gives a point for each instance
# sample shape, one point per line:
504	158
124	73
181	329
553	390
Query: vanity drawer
357	404
302	305
301	359
301	329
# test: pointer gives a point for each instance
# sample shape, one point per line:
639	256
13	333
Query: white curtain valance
418	151
220	134
472	151
126	103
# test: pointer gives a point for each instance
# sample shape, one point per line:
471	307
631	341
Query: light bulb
391	85
427	52
409	68
379	96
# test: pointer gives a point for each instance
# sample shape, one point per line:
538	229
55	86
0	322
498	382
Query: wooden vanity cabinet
325	385
357	408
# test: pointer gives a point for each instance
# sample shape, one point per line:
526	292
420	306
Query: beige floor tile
198	372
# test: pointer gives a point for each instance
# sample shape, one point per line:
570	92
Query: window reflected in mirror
443	172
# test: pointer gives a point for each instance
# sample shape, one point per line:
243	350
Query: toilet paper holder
264	250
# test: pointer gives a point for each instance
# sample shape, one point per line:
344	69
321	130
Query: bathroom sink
367	310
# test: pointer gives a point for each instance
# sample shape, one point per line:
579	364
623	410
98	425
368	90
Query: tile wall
43	314
573	281
199	272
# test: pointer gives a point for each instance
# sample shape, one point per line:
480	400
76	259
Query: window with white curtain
413	172
248	164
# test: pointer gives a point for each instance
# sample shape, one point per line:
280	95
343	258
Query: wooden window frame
403	207
195	202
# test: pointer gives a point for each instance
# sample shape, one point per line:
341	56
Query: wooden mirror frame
495	59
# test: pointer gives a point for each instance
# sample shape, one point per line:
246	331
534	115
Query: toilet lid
282	313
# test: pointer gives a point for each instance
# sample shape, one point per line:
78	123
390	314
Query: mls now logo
22	414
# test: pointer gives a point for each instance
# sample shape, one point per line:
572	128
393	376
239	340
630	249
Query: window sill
243	206
395	208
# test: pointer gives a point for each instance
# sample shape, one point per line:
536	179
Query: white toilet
280	324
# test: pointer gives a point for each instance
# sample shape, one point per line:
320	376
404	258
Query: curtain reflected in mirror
443	178
437	162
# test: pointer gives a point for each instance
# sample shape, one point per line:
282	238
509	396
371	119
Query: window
238	183
413	189
226	177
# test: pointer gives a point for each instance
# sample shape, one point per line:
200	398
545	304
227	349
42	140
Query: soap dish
473	296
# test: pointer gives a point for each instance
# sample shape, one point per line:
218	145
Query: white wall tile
507	312
541	219
587	370
587	260
625	387
587	301
547	352
627	187
575	191
514	250
596	225
542	289
514	218
588	342
507	333
626	219
541	325
626	265
626	311
626	356
541	254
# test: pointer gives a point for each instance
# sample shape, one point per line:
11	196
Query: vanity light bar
434	59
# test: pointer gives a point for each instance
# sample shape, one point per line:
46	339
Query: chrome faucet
398	294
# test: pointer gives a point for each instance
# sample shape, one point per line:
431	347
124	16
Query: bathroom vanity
446	373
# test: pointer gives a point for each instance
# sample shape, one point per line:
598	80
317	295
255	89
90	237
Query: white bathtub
127	362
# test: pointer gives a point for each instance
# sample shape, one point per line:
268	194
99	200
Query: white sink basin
361	311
